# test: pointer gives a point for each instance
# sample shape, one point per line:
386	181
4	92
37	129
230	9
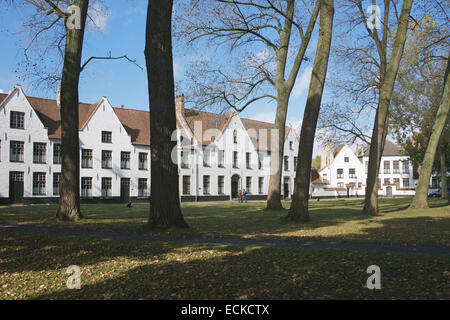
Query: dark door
286	188
389	191
125	190
15	187
234	189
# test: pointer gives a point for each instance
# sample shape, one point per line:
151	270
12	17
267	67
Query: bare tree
165	202
299	207
61	25
263	36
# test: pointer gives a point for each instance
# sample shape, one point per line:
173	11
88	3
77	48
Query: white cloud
98	17
302	83
268	116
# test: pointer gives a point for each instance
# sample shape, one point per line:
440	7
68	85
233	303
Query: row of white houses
217	155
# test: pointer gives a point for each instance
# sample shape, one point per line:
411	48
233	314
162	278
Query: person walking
239	196
244	196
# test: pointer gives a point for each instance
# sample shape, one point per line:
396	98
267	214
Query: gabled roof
208	121
390	149
315	177
136	123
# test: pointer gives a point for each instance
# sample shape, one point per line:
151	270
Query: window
17	120
405	182
221	181
106	136
396	166
106	159
387	181
387	167
259	161
235	136
405	166
397	182
367	166
86	187
57	159
143	161
86	158
106	187
261	185
248	184
16	151
186	185
206	181
295	163
184	155
221	159
340	173
291	147
206	157
340	184
125	160
235	159
379	182
286	163
346	159
352	173
56	183
15	176
247	160
142	187
38	183
39	151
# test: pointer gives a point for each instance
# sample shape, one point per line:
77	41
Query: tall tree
165	208
69	200
388	73
299	207
420	198
267	29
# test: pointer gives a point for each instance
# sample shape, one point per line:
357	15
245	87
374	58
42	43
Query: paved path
368	247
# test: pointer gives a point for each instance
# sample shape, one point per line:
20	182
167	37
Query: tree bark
443	161
69	201
420	198
277	148
299	207
381	119
165	208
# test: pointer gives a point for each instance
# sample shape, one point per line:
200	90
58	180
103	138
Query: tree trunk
69	201
420	198
381	119
299	207
443	161
277	148
165	208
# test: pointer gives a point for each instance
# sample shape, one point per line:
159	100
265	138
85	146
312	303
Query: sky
120	30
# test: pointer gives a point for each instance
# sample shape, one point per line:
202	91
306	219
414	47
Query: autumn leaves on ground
33	266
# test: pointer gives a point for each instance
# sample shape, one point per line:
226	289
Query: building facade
217	154
344	173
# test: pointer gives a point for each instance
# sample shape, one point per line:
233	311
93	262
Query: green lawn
34	267
337	220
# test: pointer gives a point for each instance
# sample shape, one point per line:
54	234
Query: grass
34	267
337	220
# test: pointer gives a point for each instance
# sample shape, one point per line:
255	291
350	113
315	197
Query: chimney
122	106
58	96
179	106
323	156
330	154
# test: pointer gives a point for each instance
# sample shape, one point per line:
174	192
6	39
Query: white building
344	174
218	154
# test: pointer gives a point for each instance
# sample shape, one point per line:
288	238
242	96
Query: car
435	194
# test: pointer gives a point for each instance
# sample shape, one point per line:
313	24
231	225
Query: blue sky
121	30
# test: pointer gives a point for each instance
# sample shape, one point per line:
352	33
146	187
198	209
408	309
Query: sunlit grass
336	220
